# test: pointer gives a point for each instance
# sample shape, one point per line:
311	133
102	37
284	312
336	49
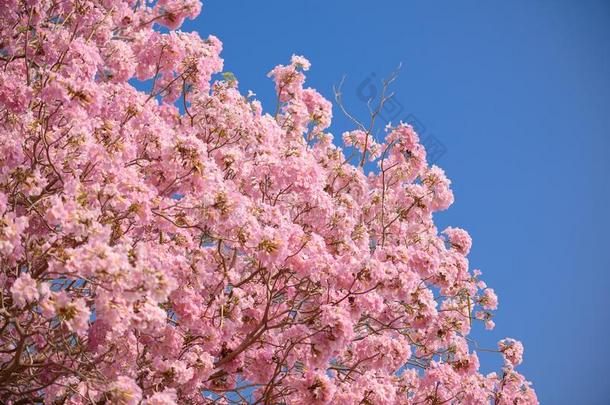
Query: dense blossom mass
179	245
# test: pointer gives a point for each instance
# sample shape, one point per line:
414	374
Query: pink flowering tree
182	246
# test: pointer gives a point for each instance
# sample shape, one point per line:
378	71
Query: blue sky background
519	95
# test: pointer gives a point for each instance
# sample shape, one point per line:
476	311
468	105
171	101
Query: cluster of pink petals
512	351
180	245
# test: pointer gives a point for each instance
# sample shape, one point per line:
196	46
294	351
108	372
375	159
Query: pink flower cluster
182	246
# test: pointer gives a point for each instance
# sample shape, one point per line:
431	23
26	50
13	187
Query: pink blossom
459	239
24	290
166	397
74	313
512	351
300	62
488	299
124	391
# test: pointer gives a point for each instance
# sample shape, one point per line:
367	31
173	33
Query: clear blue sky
519	94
